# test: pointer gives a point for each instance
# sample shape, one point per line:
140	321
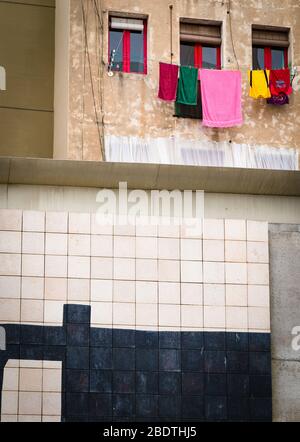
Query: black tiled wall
127	375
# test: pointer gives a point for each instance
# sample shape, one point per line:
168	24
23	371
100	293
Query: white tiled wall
154	277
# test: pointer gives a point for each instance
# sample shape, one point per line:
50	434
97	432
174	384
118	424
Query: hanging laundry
259	83
187	91
187	111
168	80
280	82
221	98
279	100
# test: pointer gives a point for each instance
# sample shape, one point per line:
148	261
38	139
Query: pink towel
221	98
168	80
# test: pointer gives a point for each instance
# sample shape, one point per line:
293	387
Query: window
270	47
128	45
200	44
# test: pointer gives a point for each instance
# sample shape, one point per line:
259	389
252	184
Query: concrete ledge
36	171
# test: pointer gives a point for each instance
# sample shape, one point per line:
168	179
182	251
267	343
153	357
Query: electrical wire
231	34
87	53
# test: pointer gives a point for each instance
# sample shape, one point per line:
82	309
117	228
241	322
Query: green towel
187	90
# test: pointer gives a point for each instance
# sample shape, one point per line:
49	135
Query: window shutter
207	34
270	37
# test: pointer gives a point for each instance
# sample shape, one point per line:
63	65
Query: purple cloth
168	80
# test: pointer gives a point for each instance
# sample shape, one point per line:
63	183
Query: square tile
191	294
102	245
192	228
99	227
56	266
169	315
235	229
57	222
168	248
259	318
236	295
10	242
79	267
146	292
10	310
9	403
235	251
125	230
146	315
10	379
33	265
78	289
30	403
79	245
52	404
32	310
213	250
258	296
10	265
213	229
10	219
191	316
258	274
101	313
31	379
32	288
214	317
10	287
237	318
214	294
33	221
124	246
147	247
146	269
33	243
191	271
101	268
80	223
101	290
56	244
147	230
56	289
213	272
258	252
124	291
168	231
257	231
124	268
52	380
191	249
53	312
235	273
169	292
124	313
169	270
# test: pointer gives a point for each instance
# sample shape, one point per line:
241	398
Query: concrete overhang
38	171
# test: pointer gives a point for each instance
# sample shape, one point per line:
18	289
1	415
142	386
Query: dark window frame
126	55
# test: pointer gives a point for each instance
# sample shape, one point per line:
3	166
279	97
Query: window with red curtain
128	47
200	56
270	57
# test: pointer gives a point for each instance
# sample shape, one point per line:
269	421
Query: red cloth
168	80
280	82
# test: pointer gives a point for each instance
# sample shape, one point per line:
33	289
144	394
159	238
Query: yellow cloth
260	87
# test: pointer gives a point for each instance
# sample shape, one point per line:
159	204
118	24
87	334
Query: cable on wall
231	33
